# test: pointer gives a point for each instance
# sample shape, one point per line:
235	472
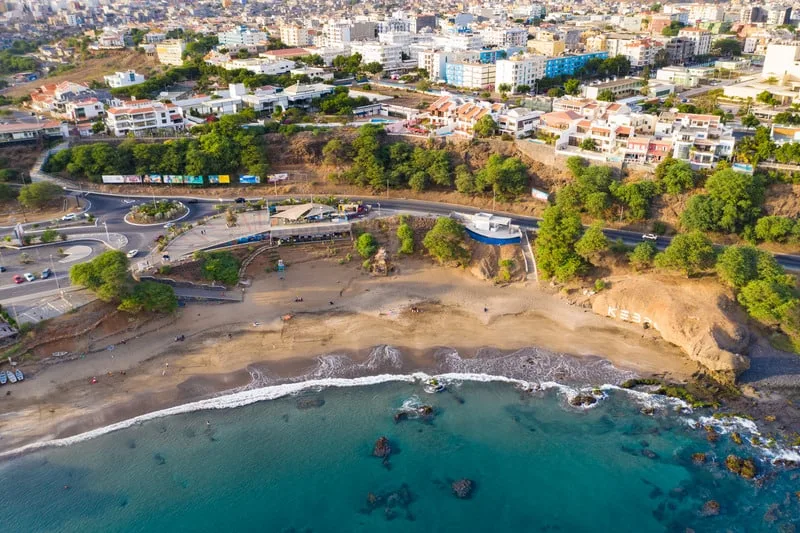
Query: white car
133	253
70	216
28	276
168	225
650	237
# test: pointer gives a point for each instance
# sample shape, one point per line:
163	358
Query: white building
471	74
782	59
295	36
388	55
335	35
170	52
259	65
241	37
778	15
453	42
701	39
520	70
81	110
123	79
142	117
505	37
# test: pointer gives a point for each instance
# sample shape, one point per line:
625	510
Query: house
70	100
123	79
518	122
620	88
702	140
647	150
29	131
143	117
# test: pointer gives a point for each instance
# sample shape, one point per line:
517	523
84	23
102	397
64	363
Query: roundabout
157	214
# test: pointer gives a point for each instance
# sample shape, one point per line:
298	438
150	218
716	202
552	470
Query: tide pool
304	463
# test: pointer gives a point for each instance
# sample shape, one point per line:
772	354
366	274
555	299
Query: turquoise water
537	464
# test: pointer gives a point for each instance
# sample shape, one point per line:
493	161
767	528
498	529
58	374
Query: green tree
559	231
766	97
588	144
446	242
7	192
150	296
688	252
733	200
750	121
98	127
768	301
727	47
106	275
572	86
48	235
776	229
738	265
523	89
592	243
507	177
406	236
485	127
672	30
465	181
366	245
675	176
373	68
606	95
503	88
39	194
642	255
220	266
636	196
335	152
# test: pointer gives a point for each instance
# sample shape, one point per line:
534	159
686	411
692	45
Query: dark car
2	269
46	273
191	201
240	200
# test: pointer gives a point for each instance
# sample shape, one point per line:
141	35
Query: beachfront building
143	117
123	79
519	70
170	52
569	64
702	140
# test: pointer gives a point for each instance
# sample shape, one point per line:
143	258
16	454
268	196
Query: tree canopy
39	194
446	242
559	231
688	252
732	201
507	177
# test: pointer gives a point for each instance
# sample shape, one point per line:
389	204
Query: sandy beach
344	311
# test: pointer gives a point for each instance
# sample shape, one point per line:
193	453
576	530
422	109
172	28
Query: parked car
132	254
46	273
28	276
69	216
168	225
17	278
2	269
650	237
240	200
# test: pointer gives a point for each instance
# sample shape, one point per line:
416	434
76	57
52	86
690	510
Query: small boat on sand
18	373
11	377
3	378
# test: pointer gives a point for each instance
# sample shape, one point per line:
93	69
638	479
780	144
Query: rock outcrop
697	315
462	488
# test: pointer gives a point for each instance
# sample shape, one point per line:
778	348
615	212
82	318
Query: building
547	47
752	14
778	15
684	76
782	59
519	70
568	65
388	55
702	140
295	36
259	65
679	49
241	37
647	150
505	37
471	75
700	38
7	332
30	131
457	115
170	52
422	22
143	117
123	79
620	88
81	110
642	52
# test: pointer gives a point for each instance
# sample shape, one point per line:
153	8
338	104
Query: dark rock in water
735	437
462	488
285	417
644	444
711	434
382	448
391	502
159	459
656	493
788	464
389	513
400	416
309	402
583	400
459	399
698	458
744	467
649	411
425	410
772	514
678	493
131	444
711	508
650	454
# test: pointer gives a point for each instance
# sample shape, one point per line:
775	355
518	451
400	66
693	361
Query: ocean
299	458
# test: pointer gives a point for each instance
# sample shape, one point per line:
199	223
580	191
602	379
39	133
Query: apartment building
700	38
569	64
457	115
679	49
123	79
504	37
642	53
647	150
519	70
82	110
293	35
702	140
547	47
170	52
143	117
621	88
471	75
453	42
259	65
241	37
388	55
684	76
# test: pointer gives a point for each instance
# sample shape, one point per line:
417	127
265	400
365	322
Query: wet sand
233	346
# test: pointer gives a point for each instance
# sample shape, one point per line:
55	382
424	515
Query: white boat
11	377
18	373
3	378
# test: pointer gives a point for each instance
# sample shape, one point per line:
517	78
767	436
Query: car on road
69	216
132	254
2	269
28	276
191	201
168	225
46	273
650	237
17	278
240	200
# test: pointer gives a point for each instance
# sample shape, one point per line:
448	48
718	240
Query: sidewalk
215	232
50	306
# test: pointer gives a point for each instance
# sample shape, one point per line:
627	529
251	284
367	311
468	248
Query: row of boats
8	376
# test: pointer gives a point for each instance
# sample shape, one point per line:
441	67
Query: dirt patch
783	199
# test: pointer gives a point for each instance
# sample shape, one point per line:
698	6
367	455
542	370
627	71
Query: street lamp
108	238
55	274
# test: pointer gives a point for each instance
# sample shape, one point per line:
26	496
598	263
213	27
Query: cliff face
699	316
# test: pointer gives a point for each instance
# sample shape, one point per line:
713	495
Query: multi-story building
702	140
453	42
782	59
259	65
547	47
143	117
505	37
641	53
684	76
241	37
170	52
701	39
388	55
647	150
451	114
123	79
752	14
293	35
568	65
778	15
621	88
83	110
335	35
471	75
422	22
520	70
679	49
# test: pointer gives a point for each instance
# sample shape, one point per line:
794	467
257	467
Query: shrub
220	266
366	245
446	242
48	235
406	236
599	285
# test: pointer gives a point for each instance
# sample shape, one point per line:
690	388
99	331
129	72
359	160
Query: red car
18	279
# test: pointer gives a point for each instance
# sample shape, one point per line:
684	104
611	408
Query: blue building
568	65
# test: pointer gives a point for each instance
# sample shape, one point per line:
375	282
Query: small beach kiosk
491	229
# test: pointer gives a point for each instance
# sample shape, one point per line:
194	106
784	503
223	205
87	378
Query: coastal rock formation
582	400
744	467
462	488
697	315
309	402
382	449
698	458
711	508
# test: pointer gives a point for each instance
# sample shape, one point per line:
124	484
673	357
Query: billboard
249	179
216	179
275	178
113	179
172	178
224	178
132	179
152	178
193	180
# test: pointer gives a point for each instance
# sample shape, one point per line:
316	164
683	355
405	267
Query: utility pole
55	274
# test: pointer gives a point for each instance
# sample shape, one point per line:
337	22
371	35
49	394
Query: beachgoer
330	303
